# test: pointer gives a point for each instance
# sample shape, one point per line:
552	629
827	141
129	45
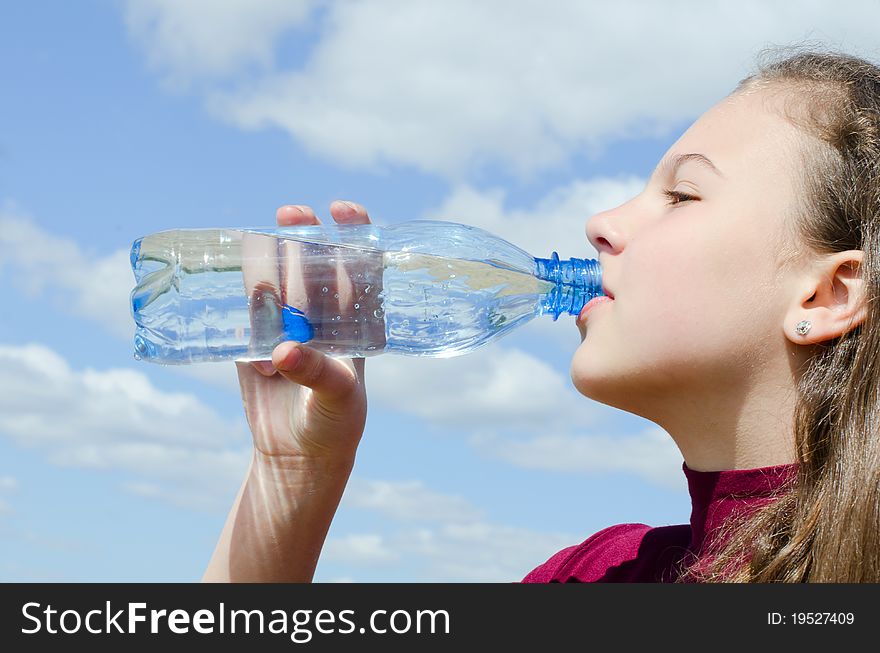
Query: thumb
308	367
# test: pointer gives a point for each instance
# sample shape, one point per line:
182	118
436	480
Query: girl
744	279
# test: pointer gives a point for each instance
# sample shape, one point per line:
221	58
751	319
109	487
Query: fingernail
351	205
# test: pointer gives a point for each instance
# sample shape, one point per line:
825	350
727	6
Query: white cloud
107	406
117	420
441	537
409	501
480	552
361	549
210	38
220	374
40	263
448	86
496	388
651	454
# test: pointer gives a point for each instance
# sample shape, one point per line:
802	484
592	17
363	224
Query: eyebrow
674	163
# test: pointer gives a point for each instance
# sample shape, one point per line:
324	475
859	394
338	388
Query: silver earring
803	327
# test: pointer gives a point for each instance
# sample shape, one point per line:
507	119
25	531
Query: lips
607	292
599	299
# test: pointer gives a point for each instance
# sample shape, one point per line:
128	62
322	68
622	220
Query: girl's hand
303	407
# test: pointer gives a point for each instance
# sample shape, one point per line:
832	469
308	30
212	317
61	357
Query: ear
832	299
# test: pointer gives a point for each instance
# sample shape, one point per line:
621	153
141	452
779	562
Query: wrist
299	468
280	519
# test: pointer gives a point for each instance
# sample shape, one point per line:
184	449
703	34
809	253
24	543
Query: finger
359	279
359	367
293	214
327	377
293	291
264	367
298	285
348	212
260	277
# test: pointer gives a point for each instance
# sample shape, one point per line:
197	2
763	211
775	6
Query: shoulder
621	553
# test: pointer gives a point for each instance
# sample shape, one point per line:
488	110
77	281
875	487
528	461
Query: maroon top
640	553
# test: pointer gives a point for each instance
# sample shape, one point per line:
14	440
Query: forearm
277	525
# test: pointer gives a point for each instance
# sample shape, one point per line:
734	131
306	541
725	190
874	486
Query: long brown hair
825	525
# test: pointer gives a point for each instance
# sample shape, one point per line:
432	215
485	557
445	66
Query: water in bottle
420	288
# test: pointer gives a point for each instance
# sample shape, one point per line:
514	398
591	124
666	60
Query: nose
603	232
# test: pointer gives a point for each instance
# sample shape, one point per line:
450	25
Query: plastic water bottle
418	288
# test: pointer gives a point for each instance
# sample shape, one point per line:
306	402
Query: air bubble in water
378	312
324	289
336	295
335	332
367	288
357	306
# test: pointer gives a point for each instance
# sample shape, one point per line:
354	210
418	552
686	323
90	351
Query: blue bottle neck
575	282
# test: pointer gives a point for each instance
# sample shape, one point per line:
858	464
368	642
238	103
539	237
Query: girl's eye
677	197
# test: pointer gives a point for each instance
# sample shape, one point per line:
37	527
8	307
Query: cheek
680	315
692	283
696	301
674	291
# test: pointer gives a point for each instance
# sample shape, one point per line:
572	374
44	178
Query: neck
724	429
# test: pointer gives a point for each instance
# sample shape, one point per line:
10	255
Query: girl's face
693	263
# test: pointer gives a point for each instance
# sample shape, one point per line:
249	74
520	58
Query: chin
585	372
601	377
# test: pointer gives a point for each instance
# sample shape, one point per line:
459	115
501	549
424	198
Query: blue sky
120	118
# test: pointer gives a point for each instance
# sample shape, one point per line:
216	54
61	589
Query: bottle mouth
575	282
